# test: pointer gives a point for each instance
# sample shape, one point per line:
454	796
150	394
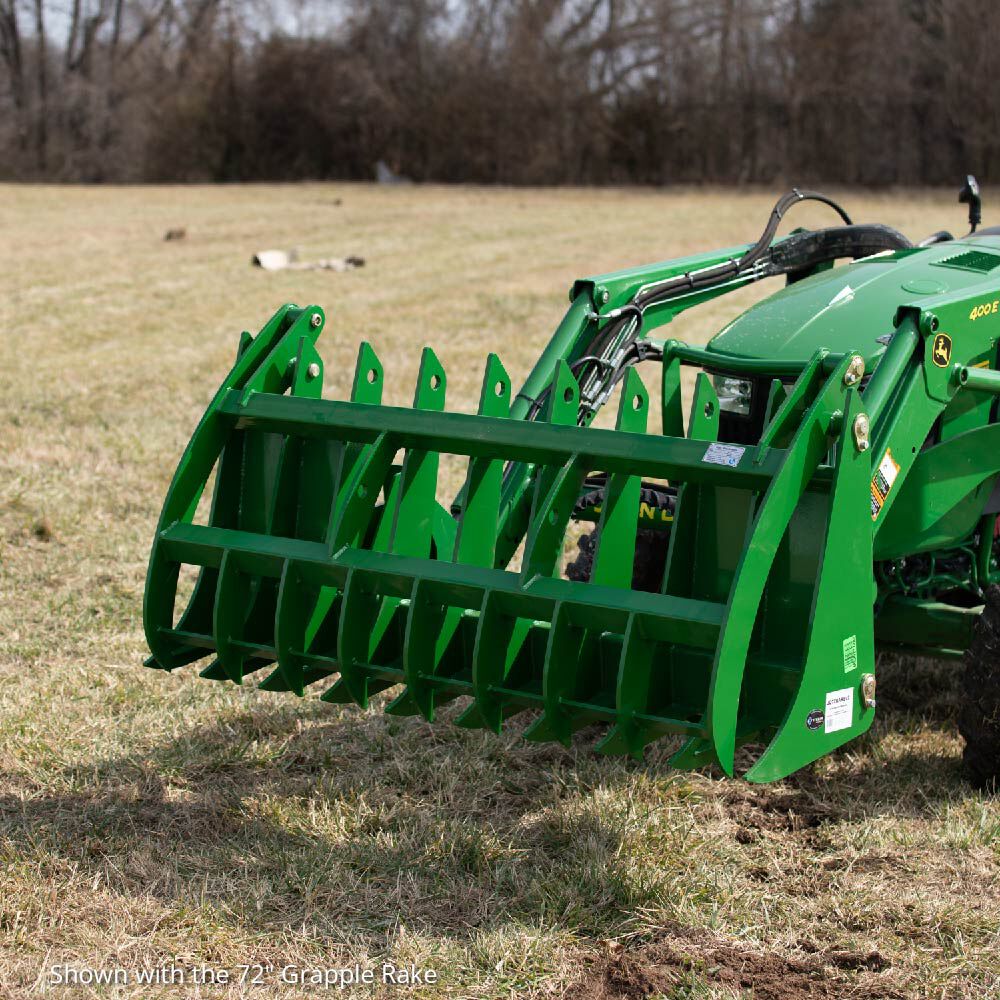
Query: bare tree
511	91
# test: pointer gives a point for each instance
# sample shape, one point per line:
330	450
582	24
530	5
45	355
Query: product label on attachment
724	454
839	710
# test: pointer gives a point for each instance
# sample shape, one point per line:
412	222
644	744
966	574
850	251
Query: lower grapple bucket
326	560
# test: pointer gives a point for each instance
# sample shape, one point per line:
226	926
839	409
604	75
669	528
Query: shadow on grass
349	823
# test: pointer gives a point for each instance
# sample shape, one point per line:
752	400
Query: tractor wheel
647	569
979	717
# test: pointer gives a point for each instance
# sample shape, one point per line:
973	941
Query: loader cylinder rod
886	377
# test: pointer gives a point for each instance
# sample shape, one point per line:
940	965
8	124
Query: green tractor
833	492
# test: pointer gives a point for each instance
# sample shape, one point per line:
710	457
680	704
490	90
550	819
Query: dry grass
146	817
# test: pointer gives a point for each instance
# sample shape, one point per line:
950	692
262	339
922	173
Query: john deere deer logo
941	352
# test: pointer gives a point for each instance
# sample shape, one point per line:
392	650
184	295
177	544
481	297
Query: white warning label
724	454
839	710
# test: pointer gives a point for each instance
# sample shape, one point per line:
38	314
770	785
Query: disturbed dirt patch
756	812
625	973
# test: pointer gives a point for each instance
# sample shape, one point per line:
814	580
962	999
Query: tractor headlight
734	394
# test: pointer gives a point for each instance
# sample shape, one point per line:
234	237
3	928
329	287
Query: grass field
149	818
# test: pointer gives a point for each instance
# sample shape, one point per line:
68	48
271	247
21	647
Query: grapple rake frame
323	557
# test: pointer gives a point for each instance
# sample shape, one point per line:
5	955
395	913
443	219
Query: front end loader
830	492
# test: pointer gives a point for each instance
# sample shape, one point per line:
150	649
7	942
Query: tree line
500	91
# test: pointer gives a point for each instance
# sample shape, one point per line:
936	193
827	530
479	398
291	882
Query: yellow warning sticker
885	476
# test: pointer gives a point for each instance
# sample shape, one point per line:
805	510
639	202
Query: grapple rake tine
365	615
557	488
564	659
704	422
413	516
427	634
776	396
381	615
271	479
671	403
206	448
232	597
270	475
380	618
682	548
572	658
430	626
478	524
365	466
325	477
635	671
500	635
358	612
290	619
616	532
499	639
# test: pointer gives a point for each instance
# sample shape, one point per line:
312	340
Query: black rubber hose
662	291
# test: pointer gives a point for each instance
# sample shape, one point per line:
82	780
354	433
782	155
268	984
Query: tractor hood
849	307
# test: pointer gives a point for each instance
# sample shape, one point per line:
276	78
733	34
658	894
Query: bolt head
929	323
862	430
868	690
855	370
313	370
316	320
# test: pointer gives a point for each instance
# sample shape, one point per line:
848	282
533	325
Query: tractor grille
972	260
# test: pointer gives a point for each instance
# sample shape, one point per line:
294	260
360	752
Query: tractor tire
647	569
979	717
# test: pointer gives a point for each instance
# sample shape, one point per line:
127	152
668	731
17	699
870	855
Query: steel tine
500	638
478	522
571	670
232	601
616	533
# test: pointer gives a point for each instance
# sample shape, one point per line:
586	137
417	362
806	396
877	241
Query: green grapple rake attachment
327	562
